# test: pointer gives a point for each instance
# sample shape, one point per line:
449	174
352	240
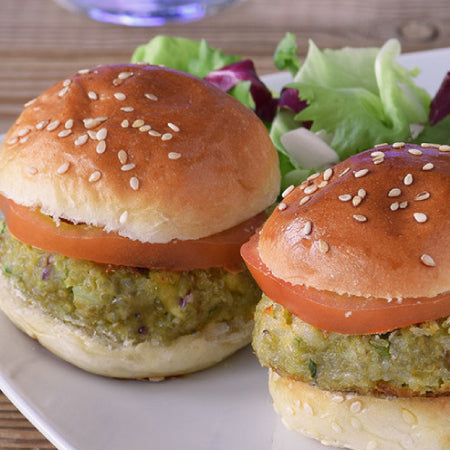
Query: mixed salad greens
338	102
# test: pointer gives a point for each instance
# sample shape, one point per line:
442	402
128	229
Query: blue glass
144	13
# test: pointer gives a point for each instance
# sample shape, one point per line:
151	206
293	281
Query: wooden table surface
40	43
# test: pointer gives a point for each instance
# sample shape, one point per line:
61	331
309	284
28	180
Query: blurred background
42	43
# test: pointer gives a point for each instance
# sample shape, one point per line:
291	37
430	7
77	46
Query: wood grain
40	43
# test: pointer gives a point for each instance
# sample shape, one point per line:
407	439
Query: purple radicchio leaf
440	106
229	76
290	99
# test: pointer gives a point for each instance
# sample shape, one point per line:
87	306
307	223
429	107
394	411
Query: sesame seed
23	131
92	95
145	128
123	217
101	147
344	171
80	140
53	125
127	109
282	206
378	160
117	82
328	174
403	205
166	136
394	192
360	173
398	145
64	133
322	184
63	168
127	167
92	123
408	180
420	217
174	155
134	183
313	176
31	170
151	97
173	127
394	206
422	196
305	199
429	145
428	166
137	123
427	260
94	176
69	124
415	151
348	314
67	82
287	191
92	134
101	134
122	155
124	75
444	148
125	123
29	102
383	144
23	139
323	246
63	91
362	193
345	197
360	218
13	140
307	228
310	189
83	71
356	200
41	124
120	96
377	154
154	133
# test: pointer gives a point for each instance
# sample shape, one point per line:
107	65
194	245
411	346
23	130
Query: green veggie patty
124	303
413	360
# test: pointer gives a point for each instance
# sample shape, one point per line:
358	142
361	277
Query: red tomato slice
343	314
93	244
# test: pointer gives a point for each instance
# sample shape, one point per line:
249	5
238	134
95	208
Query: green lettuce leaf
194	57
285	57
361	96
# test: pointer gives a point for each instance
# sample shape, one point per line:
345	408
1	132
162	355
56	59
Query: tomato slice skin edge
342	314
90	243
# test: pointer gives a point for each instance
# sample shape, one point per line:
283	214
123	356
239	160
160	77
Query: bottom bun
101	356
361	422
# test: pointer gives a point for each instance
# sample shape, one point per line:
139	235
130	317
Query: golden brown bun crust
209	166
383	253
362	422
102	356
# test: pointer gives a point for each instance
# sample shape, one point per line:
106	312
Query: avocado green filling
413	360
124	303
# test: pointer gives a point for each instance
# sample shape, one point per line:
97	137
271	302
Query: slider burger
127	192
354	323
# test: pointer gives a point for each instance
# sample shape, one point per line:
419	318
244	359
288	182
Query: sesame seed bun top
377	224
149	152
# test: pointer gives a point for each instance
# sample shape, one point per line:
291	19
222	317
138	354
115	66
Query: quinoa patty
123	303
413	360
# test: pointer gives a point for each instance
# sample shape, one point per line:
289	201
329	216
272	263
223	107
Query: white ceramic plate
226	407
